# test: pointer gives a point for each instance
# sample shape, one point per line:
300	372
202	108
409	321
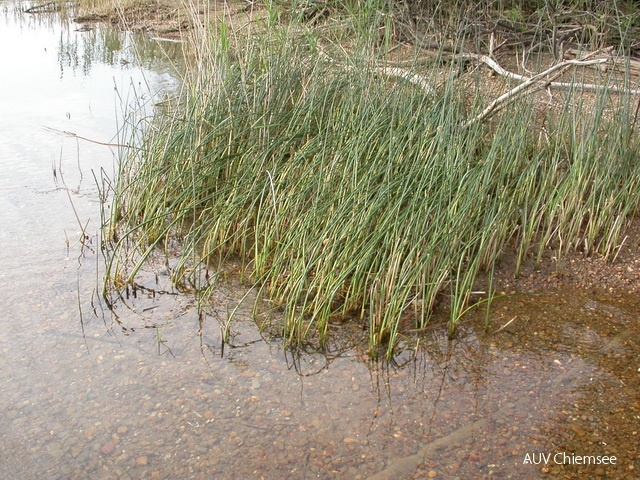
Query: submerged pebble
108	448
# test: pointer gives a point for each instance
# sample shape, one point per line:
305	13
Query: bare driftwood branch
536	79
621	63
544	79
414	78
411	77
495	66
564	85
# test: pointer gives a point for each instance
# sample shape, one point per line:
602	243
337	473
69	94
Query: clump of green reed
344	192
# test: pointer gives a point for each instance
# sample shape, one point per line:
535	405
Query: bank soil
618	275
171	19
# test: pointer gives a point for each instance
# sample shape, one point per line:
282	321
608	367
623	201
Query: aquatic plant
346	192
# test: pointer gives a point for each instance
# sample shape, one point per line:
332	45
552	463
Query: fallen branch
536	79
564	85
390	71
540	79
495	66
411	77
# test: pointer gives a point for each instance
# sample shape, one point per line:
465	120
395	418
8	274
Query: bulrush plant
346	193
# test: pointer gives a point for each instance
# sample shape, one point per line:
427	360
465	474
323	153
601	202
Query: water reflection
102	45
145	390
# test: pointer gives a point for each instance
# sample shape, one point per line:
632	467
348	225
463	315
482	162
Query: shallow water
151	394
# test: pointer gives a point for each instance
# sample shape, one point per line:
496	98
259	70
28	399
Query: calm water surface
150	395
